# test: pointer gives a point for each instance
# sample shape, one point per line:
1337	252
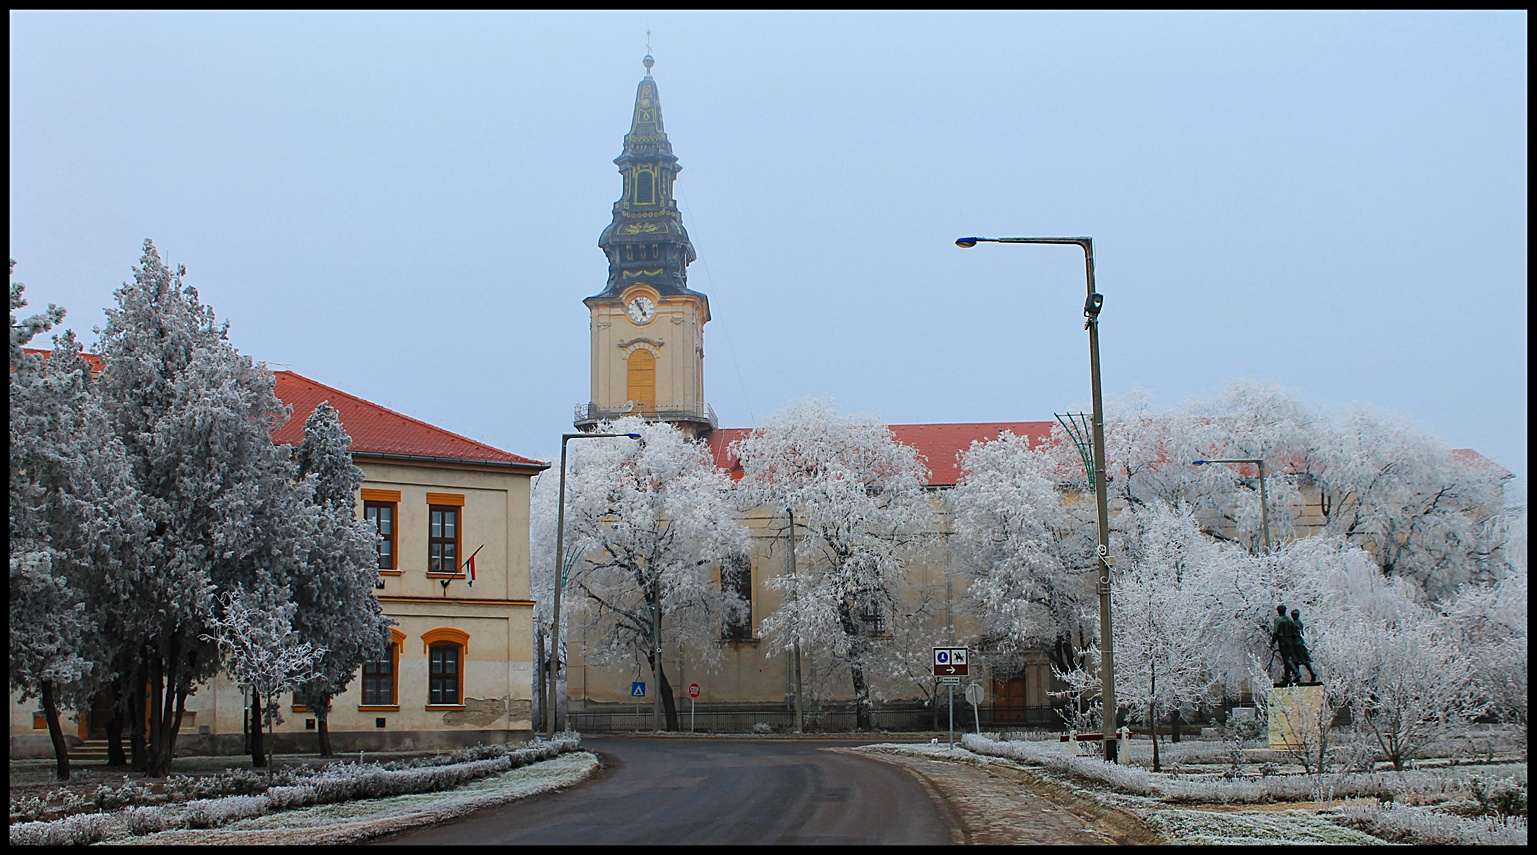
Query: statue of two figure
1286	635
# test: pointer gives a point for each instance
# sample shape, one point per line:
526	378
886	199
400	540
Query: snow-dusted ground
1280	823
356	821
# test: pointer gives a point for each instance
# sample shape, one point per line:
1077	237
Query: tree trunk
322	715
153	728
1174	724
669	703
115	755
55	732
161	675
258	751
166	708
862	707
137	707
270	741
1152	715
539	676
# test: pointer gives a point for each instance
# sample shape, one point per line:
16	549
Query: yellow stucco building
460	670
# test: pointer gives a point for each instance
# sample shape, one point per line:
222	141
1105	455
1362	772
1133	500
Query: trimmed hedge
336	783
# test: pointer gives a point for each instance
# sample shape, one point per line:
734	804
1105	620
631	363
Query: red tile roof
379	431
1469	457
938	444
375	430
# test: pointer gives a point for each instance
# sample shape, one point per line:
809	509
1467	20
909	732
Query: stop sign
693	690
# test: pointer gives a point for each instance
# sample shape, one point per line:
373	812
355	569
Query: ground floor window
379	682
443	674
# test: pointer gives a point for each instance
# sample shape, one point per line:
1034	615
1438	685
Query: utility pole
656	654
1264	500
800	705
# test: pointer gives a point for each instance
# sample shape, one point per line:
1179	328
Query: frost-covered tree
543	517
337	609
1392	661
72	510
1149	452
1422	512
47	617
23	330
1168	614
1490	623
859	494
1408	682
1021	539
652	519
260	648
195	418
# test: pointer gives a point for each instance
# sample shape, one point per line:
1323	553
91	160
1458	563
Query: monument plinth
1295	716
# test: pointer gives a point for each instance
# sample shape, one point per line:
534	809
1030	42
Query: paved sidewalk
1002	806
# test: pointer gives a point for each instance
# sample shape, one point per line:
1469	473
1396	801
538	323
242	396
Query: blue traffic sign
941	657
638	689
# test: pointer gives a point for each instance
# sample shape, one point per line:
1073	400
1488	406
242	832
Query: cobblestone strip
1001	806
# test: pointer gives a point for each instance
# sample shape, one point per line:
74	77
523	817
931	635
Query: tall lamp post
1264	503
1091	307
560	548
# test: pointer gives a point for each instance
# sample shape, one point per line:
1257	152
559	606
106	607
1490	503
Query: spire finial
648	61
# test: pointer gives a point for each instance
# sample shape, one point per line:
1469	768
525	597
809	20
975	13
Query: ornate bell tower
647	326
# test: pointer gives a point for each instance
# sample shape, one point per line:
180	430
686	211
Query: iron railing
819	718
590	413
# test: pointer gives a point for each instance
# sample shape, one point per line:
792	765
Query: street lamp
1091	308
560	534
1264	503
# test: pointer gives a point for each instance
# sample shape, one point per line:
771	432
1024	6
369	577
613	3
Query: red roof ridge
421	440
502	456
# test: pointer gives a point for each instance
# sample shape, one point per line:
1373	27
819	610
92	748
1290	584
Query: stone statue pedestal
1294	716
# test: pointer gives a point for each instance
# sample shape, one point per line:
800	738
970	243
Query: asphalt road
661	790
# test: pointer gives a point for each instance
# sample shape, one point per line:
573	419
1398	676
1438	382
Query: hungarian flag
470	563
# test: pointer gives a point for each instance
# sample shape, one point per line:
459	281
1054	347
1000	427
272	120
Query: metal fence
819	718
839	717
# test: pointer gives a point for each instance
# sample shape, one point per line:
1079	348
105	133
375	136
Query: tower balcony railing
590	413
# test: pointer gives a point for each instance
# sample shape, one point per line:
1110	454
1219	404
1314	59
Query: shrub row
336	783
78	830
1409	825
1120	778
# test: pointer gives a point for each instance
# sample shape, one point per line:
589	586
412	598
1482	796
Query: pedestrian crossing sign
638	689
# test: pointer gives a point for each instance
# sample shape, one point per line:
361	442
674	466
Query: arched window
641	381
446	652
645	188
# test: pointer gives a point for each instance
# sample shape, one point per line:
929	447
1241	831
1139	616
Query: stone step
91	749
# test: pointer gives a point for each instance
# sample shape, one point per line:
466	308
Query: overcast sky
406	206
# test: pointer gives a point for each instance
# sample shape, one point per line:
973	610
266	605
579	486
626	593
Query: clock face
642	310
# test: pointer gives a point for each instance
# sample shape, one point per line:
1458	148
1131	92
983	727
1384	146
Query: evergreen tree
195	418
337	610
73	510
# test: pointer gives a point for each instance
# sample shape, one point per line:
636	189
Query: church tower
647	326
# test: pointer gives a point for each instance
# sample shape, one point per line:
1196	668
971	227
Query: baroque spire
646	242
